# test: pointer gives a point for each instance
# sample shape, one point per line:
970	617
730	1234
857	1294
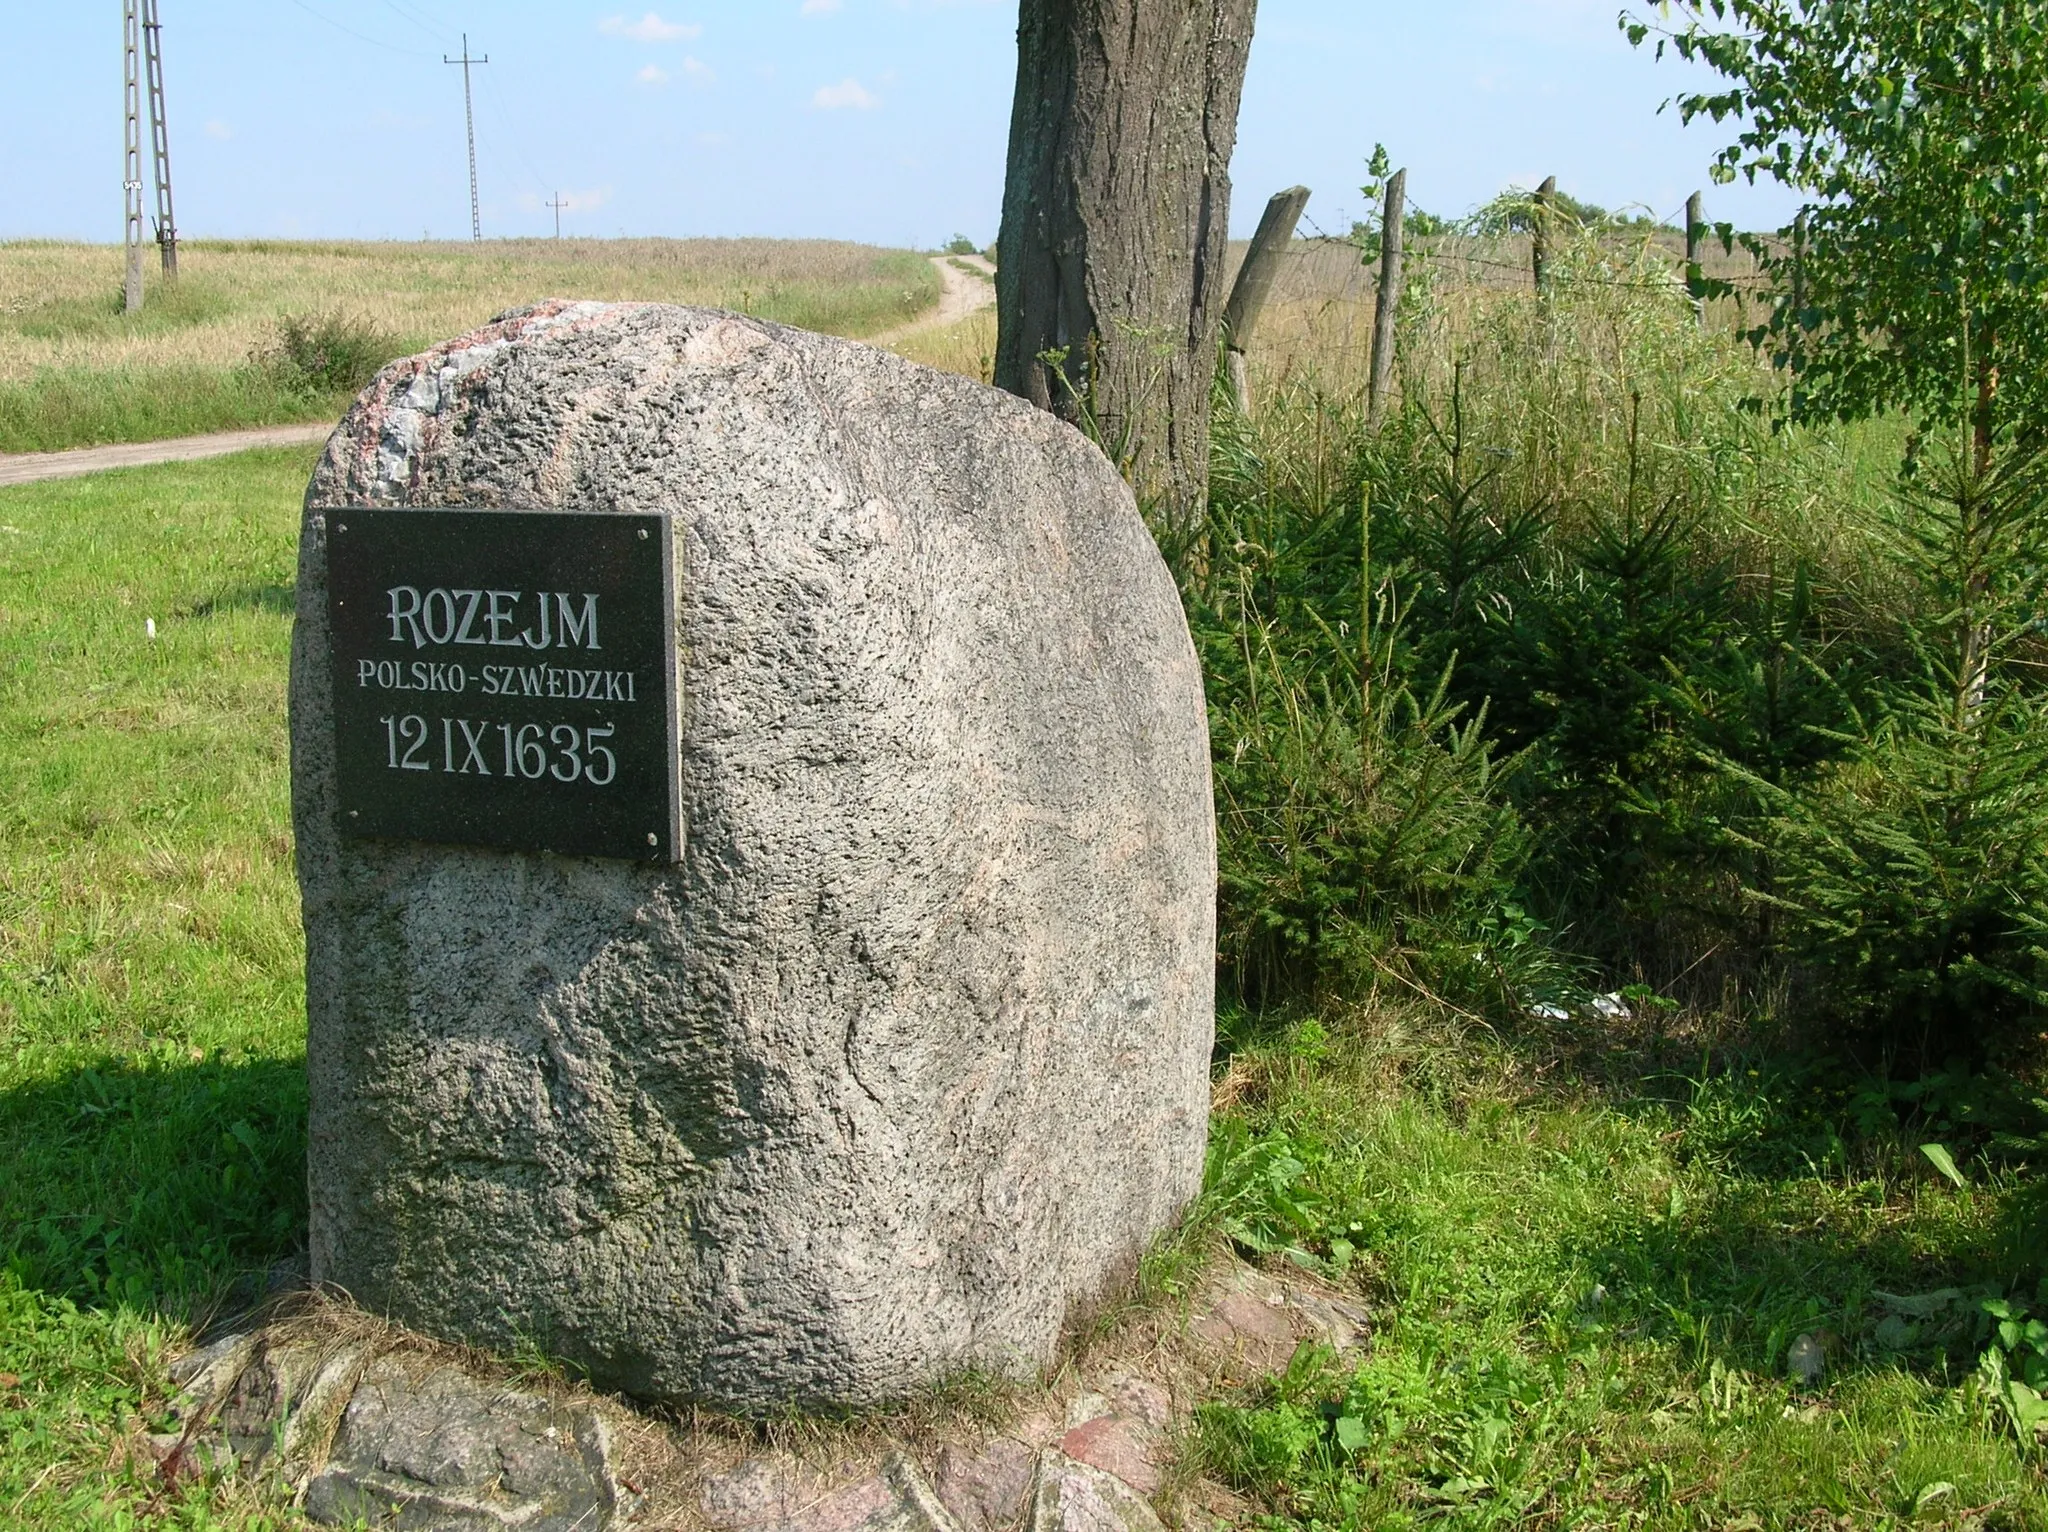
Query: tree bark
1109	285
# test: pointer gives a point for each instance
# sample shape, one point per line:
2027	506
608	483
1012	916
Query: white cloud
650	29
819	7
653	74
699	71
848	92
220	130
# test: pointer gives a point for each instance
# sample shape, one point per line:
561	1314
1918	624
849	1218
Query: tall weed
332	353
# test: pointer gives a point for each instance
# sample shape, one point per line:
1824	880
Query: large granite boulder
907	1059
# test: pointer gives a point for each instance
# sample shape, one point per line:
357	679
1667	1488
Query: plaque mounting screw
652	839
353	814
643	534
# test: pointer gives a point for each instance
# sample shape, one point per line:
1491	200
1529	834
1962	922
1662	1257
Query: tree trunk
1109	286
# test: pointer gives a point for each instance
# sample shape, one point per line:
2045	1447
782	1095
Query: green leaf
2028	1408
1944	1162
1351	1433
1940	1489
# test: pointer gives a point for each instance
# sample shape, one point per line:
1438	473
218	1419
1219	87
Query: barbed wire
1417	252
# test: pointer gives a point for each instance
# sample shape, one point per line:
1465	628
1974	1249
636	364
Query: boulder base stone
908	1057
436	1450
365	1438
1078	1497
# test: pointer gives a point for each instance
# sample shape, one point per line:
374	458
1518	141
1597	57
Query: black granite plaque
505	678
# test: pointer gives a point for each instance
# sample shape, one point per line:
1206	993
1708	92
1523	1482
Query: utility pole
558	204
476	223
131	155
159	138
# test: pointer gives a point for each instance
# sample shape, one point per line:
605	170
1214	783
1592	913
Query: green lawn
1588	1274
1590	1281
152	1032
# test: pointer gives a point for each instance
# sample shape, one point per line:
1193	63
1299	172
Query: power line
416	19
476	223
557	204
507	133
361	37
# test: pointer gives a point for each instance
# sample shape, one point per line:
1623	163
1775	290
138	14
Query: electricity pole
159	138
131	156
558	204
476	224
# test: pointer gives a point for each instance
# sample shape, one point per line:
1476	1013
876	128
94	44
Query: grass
968	348
1589	1253
1590	1277
152	1022
74	370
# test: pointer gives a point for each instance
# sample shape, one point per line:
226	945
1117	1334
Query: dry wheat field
74	370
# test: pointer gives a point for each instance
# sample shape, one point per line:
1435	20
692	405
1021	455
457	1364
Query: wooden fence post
1695	231
1388	309
1795	342
1255	283
1539	233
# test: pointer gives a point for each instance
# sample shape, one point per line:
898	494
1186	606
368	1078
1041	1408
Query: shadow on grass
154	1186
1719	1210
275	600
1741	1279
1814	1213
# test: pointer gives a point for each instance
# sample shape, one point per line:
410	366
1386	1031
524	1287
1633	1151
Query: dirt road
961	294
28	467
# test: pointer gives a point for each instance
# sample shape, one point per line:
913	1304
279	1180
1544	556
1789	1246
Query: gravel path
28	467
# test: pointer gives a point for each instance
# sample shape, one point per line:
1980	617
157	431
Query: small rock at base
1251	1322
985	1489
767	1495
762	1492
1140	1399
1077	1497
1116	1446
442	1451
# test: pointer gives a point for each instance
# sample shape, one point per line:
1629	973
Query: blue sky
879	120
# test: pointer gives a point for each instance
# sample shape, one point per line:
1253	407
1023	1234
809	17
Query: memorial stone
841	1018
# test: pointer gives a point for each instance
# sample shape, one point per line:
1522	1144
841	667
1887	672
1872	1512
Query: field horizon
76	371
